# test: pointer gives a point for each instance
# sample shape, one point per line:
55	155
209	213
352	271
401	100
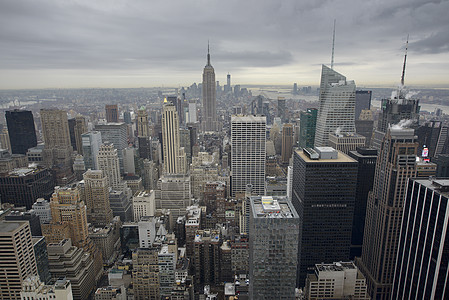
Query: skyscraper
17	260
108	162
209	120
324	185
273	248
336	106
287	143
362	102
115	133
58	148
248	138
22	133
111	113
174	162
307	128
96	195
143	129
421	266
91	146
366	157
396	163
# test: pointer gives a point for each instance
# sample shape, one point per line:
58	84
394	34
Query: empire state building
209	118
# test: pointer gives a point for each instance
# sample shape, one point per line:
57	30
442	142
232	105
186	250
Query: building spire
405	60
208	54
333	44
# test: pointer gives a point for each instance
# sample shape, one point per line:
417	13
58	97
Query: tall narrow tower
396	163
143	129
108	162
209	121
173	159
337	106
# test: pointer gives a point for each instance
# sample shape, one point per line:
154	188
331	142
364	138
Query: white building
144	204
174	159
248	155
42	208
339	280
336	106
33	288
108	161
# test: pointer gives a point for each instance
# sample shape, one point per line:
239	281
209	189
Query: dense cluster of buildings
190	197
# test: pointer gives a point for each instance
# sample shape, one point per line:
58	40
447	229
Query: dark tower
22	132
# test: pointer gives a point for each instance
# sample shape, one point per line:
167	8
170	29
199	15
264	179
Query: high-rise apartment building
209	119
17	260
421	266
287	143
115	133
108	162
336	106
338	280
396	163
91	142
324	186
174	161
96	197
307	128
143	127
248	138
366	157
21	130
111	113
273	248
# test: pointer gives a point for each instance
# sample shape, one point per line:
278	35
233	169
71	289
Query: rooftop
272	207
342	158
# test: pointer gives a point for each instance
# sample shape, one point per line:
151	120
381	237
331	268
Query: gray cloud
171	36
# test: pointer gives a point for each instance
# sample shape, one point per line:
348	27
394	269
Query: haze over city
73	44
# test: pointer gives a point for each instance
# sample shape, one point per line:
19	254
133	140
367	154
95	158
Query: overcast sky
124	43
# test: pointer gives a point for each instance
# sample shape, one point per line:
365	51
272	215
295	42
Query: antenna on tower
208	54
405	60
333	44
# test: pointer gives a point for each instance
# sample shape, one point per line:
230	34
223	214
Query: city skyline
137	44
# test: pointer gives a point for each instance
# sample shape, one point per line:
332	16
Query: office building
307	128
338	280
21	130
17	260
287	143
4	138
107	239
23	186
116	134
433	136
248	139
209	118
30	216
396	163
393	111
173	192
41	255
364	125
91	142
146	281
121	205
346	141
143	126
206	258
73	264
366	157
111	113
273	248
42	208
96	198
362	102
58	148
9	162
174	162
336	106
77	126
144	204
108	162
33	288
421	266
324	186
